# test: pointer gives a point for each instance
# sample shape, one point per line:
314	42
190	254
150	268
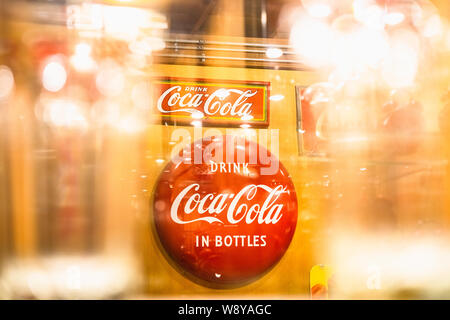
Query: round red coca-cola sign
225	211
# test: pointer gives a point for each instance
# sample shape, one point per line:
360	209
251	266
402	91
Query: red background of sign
235	265
260	101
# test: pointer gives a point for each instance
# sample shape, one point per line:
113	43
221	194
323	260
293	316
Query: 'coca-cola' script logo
237	209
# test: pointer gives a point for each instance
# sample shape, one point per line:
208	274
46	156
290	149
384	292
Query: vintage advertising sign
228	220
212	102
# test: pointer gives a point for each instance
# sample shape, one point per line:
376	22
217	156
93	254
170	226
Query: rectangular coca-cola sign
212	102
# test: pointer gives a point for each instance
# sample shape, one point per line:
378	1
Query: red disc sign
225	211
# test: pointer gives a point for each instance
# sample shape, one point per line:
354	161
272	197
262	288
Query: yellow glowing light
6	82
54	76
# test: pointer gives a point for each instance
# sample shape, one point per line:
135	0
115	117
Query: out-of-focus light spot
447	39
6	82
312	40
83	49
400	67
368	13
273	53
54	76
146	46
85	16
197	115
277	97
106	112
130	124
141	96
122	22
119	22
82	60
196	123
245	126
432	26
110	79
247	117
346	52
264	17
222	93
372	46
64	113
318	8
416	13
159	161
127	23
394	18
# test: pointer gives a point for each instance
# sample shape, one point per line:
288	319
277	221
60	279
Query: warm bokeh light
82	60
369	13
393	18
274	53
69	277
313	40
6	82
54	76
401	66
318	8
110	79
64	113
277	97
